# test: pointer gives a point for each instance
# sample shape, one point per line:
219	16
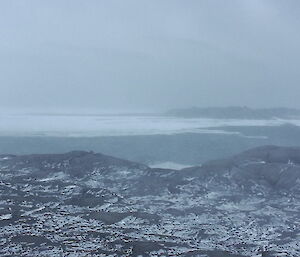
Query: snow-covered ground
117	125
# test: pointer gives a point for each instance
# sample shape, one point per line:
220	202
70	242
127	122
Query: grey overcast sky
141	54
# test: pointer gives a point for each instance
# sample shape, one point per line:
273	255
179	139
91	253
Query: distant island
236	112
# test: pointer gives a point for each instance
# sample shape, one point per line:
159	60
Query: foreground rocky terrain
88	204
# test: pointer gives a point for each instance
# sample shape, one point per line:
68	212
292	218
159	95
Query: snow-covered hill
85	203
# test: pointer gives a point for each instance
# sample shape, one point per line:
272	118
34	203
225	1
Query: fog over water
148	55
116	125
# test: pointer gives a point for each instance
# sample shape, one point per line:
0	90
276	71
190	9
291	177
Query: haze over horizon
148	55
